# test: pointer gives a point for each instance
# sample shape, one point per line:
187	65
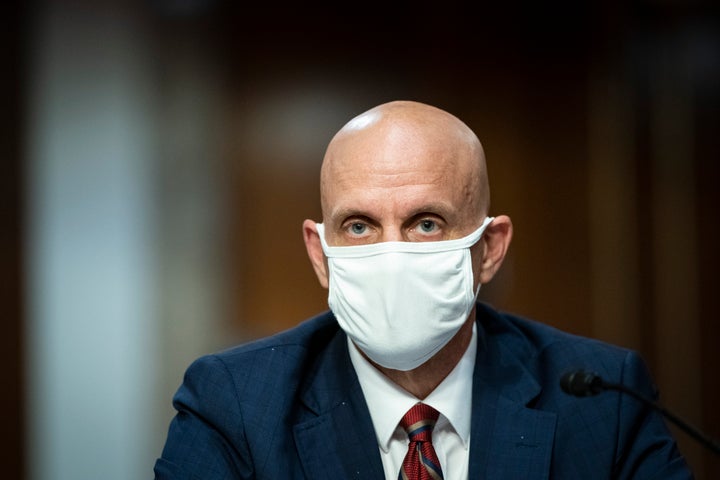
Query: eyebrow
441	209
348	212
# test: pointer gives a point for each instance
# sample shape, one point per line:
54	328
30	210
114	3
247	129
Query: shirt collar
388	402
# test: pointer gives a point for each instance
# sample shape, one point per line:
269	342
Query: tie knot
419	422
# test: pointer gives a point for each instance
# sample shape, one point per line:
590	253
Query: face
412	174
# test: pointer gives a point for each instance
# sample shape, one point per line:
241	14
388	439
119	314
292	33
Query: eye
427	226
358	228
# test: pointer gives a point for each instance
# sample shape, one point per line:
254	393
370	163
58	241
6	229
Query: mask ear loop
488	220
477	292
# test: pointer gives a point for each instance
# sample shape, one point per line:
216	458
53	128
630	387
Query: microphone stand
581	383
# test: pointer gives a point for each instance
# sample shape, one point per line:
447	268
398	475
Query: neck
424	379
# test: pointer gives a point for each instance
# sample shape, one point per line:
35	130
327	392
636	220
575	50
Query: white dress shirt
388	403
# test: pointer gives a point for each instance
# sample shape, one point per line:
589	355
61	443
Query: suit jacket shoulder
287	406
539	431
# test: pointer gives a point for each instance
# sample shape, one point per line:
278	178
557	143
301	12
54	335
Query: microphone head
581	383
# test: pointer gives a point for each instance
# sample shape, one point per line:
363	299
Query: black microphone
581	383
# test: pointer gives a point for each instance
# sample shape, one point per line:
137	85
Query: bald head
405	142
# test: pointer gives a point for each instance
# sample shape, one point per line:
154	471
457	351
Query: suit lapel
335	437
509	440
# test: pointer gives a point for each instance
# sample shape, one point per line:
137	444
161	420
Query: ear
315	252
496	238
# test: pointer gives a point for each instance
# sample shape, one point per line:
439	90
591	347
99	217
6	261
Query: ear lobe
497	241
315	252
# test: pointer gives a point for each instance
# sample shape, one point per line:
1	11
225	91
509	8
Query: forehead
397	169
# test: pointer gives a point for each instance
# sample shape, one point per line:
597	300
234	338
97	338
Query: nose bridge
392	233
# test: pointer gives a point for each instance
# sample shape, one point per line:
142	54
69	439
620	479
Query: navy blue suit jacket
290	407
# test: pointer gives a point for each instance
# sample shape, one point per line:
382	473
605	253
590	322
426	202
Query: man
404	247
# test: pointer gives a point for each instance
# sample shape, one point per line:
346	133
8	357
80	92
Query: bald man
407	375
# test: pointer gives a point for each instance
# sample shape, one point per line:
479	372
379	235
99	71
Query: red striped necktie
421	462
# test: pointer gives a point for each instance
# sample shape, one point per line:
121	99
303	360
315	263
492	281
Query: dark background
600	122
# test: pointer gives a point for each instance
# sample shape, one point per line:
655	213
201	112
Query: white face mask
401	302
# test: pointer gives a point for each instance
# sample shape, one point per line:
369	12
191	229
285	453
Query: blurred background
161	156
